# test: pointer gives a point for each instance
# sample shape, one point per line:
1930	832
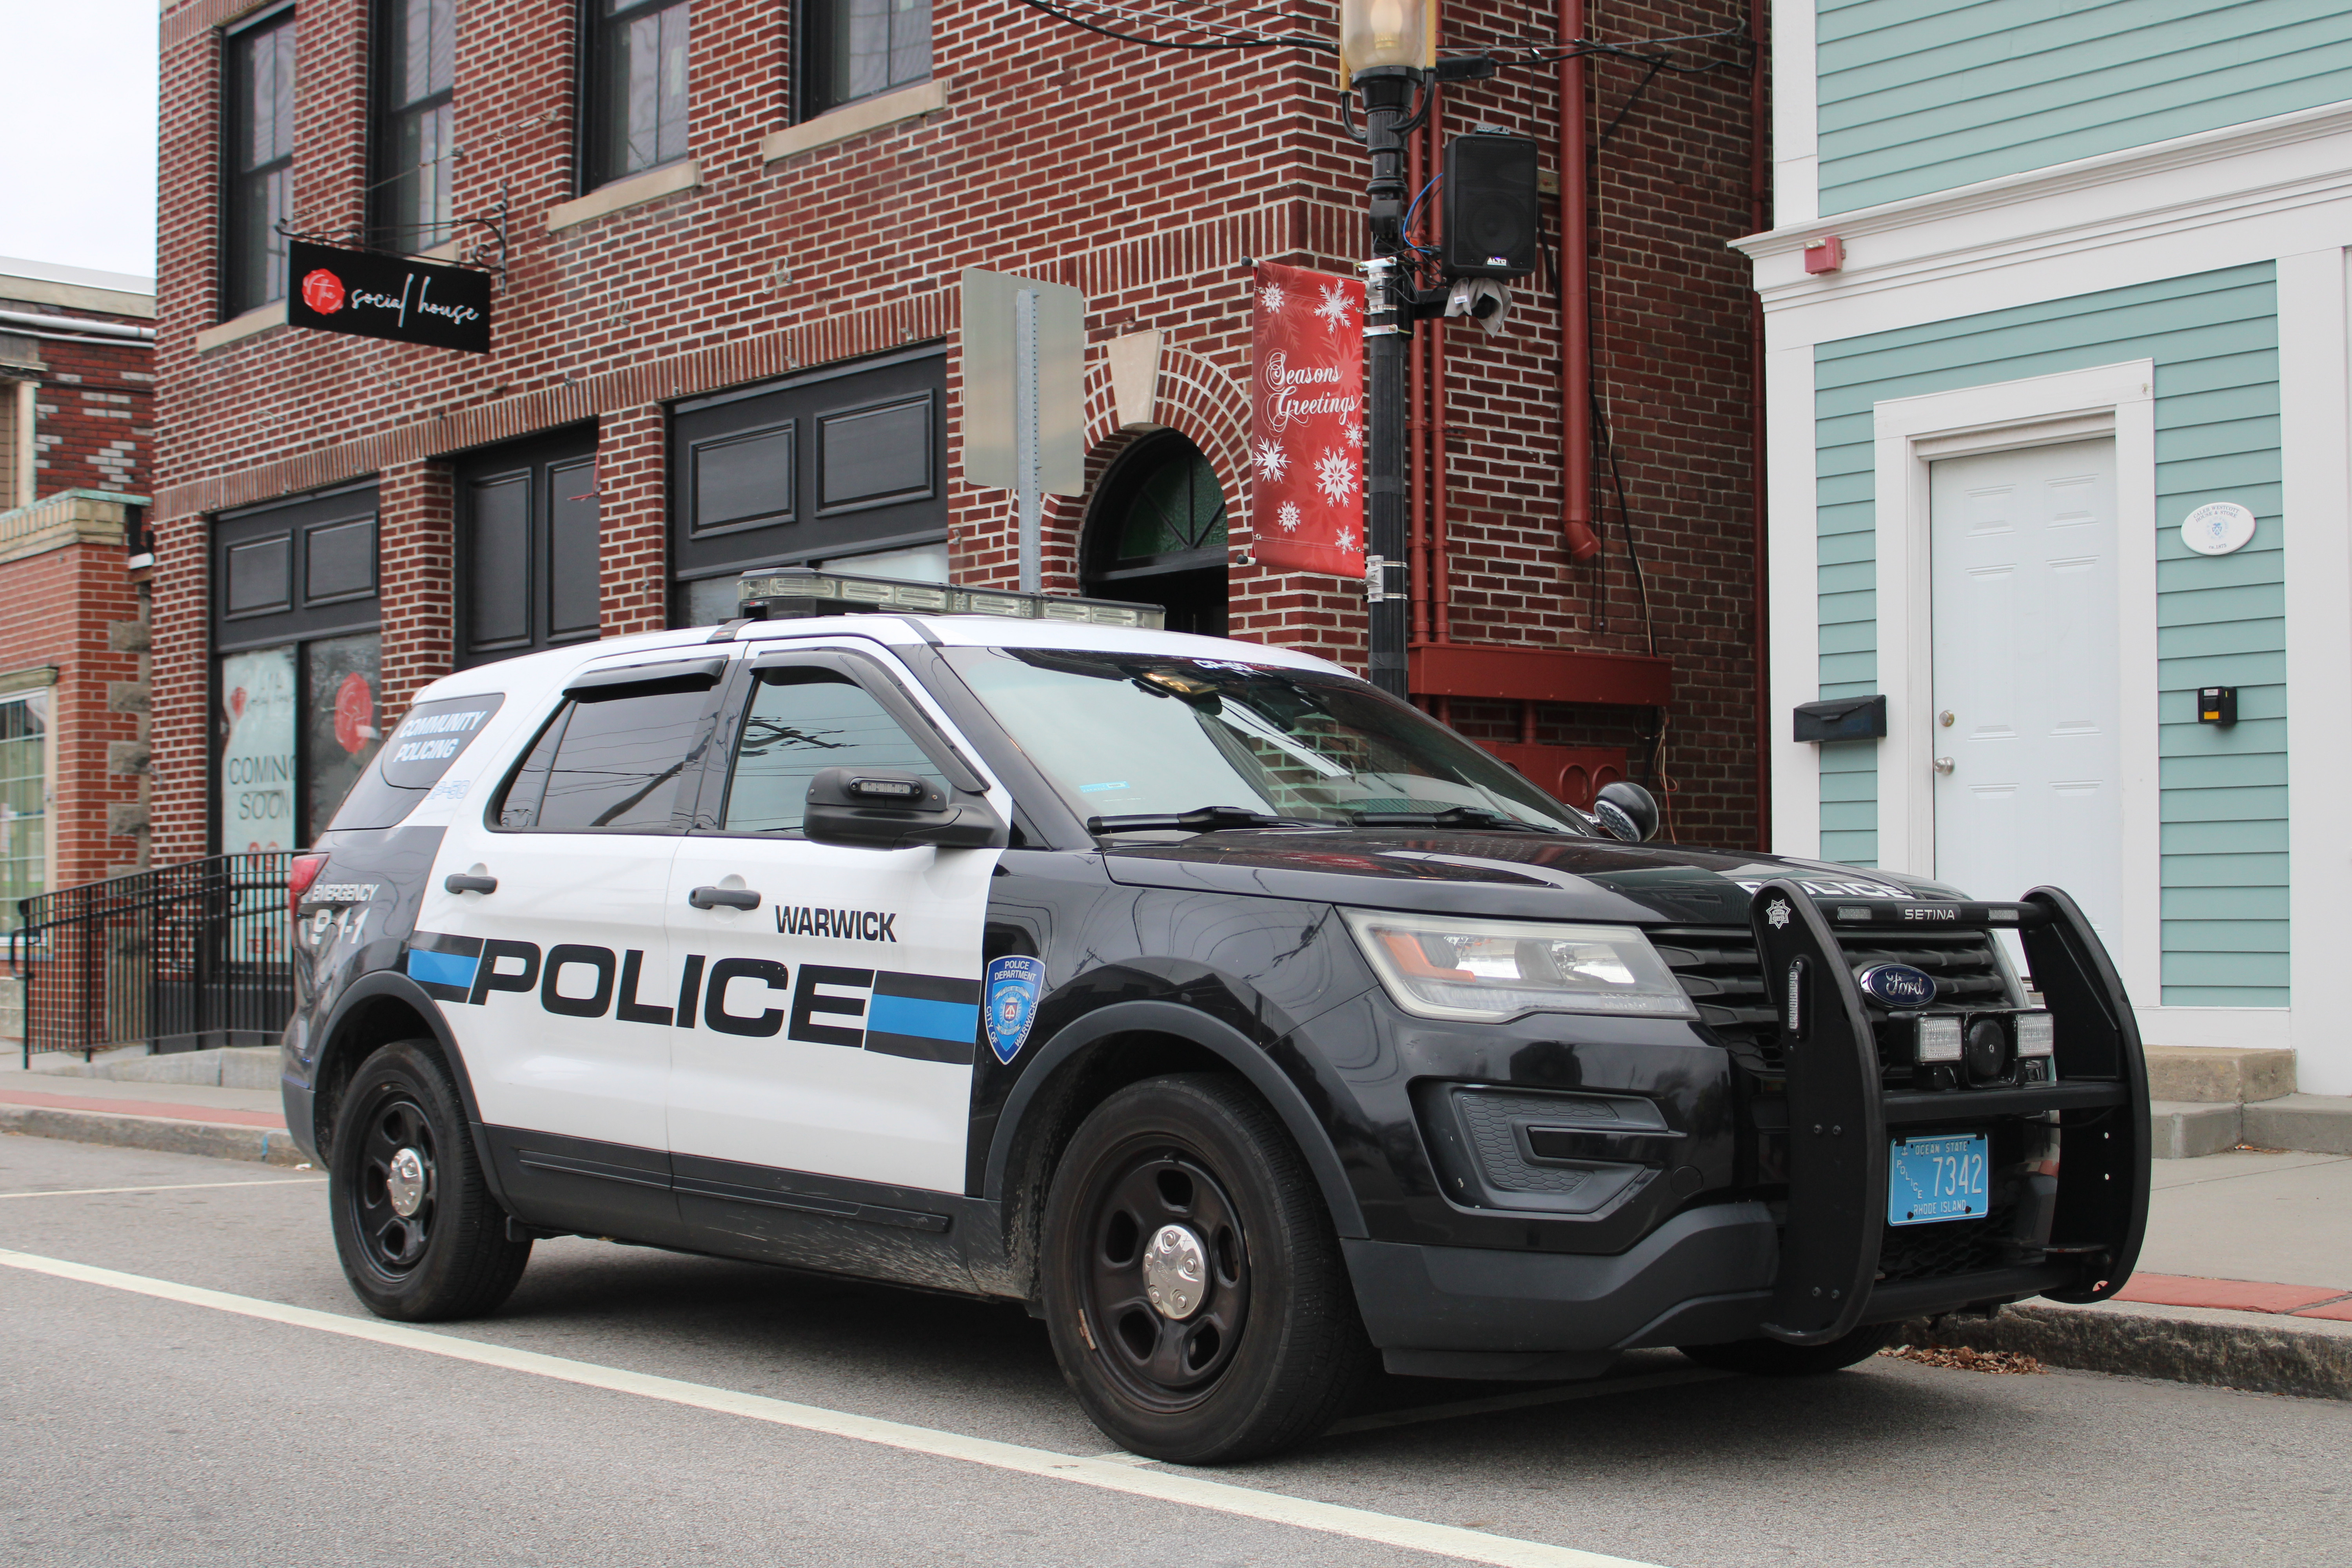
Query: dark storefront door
1156	534
528	548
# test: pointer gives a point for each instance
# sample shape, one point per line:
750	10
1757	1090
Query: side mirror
873	809
1627	811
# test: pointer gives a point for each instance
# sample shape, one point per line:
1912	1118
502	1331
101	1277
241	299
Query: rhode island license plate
1941	1177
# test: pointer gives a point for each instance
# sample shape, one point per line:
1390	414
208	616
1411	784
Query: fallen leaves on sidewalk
1960	1358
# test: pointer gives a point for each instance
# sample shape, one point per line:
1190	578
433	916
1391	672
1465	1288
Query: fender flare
1221	1040
391	983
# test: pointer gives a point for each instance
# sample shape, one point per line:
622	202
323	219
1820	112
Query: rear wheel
418	1233
1774	1358
1194	1285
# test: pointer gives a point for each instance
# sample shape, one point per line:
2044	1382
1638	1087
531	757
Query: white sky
78	133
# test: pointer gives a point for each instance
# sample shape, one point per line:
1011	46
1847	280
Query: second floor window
636	87
856	49
414	159
260	123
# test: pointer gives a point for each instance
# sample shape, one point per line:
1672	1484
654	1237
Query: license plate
1942	1177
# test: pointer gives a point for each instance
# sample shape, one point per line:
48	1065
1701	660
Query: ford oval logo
1897	985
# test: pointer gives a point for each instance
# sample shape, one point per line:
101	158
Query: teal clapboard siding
1924	95
2220	620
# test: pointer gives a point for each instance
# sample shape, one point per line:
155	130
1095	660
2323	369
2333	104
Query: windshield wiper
1452	816
1199	819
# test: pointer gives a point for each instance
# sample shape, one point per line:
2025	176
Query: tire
448	1256
1272	1347
1773	1358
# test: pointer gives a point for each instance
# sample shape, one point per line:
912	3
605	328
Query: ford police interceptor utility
1251	1026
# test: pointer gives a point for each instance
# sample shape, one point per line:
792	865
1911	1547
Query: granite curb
214	1140
2259	1351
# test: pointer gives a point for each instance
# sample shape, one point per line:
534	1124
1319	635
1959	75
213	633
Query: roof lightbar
791	593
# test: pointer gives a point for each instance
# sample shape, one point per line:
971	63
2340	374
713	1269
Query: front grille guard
1839	1112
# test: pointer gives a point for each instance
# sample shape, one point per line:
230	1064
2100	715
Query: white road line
179	1187
1149	1480
1385	1419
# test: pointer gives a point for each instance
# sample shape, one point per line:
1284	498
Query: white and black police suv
1248	1024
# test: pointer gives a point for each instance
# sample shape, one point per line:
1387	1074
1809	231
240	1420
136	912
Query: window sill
260	319
686	175
856	119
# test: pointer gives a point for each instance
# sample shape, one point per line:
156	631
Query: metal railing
179	958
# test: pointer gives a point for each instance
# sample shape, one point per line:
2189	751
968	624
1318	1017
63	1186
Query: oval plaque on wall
2216	527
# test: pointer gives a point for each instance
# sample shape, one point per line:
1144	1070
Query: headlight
1494	970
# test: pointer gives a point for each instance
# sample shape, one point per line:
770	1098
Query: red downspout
1575	299
1759	177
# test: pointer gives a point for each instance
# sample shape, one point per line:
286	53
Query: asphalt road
141	1429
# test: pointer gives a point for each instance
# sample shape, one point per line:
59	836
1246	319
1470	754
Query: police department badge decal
1011	986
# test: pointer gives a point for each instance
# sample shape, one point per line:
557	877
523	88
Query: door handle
466	882
1943	764
723	897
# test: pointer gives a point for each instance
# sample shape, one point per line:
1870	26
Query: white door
2028	685
558	981
840	1012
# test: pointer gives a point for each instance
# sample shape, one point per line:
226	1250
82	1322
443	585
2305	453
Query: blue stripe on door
441	968
957	1021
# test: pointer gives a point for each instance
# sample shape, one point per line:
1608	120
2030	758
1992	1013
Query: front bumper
1824	1263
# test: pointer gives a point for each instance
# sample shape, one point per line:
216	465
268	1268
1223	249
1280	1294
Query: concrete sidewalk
2245	1280
147	1110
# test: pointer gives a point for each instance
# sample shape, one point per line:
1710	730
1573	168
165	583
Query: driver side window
800	723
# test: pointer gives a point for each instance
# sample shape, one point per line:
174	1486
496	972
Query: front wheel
420	1237
1194	1285
1774	1358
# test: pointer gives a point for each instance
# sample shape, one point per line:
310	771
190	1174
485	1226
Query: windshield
1131	735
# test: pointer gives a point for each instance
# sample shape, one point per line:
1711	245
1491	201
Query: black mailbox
1842	719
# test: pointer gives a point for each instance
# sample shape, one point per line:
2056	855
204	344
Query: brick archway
1200	400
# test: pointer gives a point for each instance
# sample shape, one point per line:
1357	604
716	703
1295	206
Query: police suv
1249	1026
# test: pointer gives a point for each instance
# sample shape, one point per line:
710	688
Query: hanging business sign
370	295
1307	421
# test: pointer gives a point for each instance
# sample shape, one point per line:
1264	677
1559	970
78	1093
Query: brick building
76	387
726	334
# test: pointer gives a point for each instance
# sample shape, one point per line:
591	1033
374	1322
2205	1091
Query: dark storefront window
528	569
1156	534
260	158
844	465
414	159
855	48
636	87
296	683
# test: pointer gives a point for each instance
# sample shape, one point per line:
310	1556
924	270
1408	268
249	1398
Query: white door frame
1911	433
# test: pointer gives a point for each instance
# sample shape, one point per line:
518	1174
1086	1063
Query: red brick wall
93	429
60	603
1149	179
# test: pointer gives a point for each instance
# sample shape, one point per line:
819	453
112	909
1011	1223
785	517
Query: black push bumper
1840	1114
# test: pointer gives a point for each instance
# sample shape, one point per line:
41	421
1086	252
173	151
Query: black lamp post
1388	53
1389	298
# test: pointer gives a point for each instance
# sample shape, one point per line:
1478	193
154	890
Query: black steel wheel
1776	1357
418	1233
1168	1278
1192	1281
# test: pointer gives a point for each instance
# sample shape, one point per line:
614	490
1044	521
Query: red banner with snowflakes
1307	421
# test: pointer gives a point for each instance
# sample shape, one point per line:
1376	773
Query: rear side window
613	764
417	758
800	723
